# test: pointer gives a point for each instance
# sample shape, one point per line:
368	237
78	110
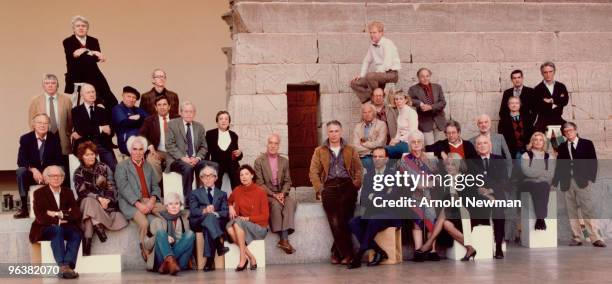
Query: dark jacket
89	129
28	156
527	98
436	116
506	128
583	166
443	146
546	114
124	126
198	200
495	176
150	129
147	102
224	158
43	201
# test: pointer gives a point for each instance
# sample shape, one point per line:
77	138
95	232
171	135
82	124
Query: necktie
52	115
517	92
486	164
210	196
41	149
165	124
91	112
189	143
573	150
516	117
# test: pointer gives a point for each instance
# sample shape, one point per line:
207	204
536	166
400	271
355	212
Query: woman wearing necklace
223	149
97	196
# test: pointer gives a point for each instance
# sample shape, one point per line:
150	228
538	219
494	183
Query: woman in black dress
223	149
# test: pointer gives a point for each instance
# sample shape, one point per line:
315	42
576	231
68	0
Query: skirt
91	208
252	231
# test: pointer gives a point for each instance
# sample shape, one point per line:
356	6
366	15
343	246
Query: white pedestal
257	248
109	263
173	183
482	240
531	237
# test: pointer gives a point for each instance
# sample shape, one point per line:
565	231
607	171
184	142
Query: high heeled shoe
99	230
468	256
241	268
253	266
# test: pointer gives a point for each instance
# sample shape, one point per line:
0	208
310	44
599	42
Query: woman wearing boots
97	194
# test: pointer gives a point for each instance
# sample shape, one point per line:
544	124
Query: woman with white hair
172	241
82	56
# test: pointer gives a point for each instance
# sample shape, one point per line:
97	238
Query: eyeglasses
55	176
159	77
208	176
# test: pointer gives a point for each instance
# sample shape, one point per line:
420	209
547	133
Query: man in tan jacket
335	174
368	134
58	107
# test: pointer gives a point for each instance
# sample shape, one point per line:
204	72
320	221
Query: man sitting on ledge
57	216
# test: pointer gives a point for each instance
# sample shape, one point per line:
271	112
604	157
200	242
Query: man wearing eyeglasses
147	102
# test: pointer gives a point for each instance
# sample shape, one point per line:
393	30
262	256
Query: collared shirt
383	56
273	162
82	40
569	145
87	107
56	196
38	140
162	133
224	139
367	126
48	109
551	87
192	138
380	171
517	91
336	163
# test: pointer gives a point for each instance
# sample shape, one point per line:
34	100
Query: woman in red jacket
249	214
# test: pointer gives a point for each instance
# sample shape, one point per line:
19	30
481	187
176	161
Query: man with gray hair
550	98
186	146
428	98
58	107
147	102
139	193
368	134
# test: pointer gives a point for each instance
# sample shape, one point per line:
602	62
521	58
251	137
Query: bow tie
376	45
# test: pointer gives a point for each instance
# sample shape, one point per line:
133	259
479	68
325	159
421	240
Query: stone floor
559	265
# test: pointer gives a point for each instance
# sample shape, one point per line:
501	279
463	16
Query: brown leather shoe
285	246
346	260
163	268
67	273
173	267
599	244
21	214
334	259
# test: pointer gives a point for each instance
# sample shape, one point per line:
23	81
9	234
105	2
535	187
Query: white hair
274	134
483	116
50	76
158	69
417	135
171	197
207	167
49	168
135	139
185	104
79	18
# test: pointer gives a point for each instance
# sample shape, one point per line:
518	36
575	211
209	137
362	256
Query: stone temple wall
471	47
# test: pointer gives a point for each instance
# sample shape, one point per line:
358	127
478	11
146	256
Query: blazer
147	102
124	126
198	200
85	69
377	137
387	193
264	174
506	128
495	176
151	130
436	115
176	143
499	147
29	157
584	166
319	165
90	129
391	113
38	104
43	201
442	146
527	98
128	185
224	158
546	114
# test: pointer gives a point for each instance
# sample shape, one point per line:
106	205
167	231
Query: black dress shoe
356	263
575	243
599	244
540	224
499	254
100	232
86	246
210	264
222	250
21	214
419	256
379	256
433	256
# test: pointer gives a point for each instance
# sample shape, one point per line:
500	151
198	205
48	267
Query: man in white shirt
154	129
383	58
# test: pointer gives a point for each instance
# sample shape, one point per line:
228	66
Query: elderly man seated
139	193
368	134
57	218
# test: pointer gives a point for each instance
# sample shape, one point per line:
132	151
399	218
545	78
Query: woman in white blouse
538	166
223	149
407	122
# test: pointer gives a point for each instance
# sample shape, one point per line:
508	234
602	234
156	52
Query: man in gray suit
428	98
139	193
272	172
186	147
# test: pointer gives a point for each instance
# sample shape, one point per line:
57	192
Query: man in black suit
493	169
576	171
516	126
154	129
37	150
92	123
550	98
524	93
453	143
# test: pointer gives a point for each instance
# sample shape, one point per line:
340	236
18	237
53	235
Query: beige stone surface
252	139
250	48
342	48
243	79
591	105
344	107
585	76
457	77
258	109
273	78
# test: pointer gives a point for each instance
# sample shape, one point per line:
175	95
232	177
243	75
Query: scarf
170	219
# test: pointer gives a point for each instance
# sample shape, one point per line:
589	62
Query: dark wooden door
302	107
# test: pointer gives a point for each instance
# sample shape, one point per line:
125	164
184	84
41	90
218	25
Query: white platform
480	238
173	183
257	248
110	263
531	237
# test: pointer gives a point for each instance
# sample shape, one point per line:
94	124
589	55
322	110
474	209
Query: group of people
158	135
396	132
161	135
